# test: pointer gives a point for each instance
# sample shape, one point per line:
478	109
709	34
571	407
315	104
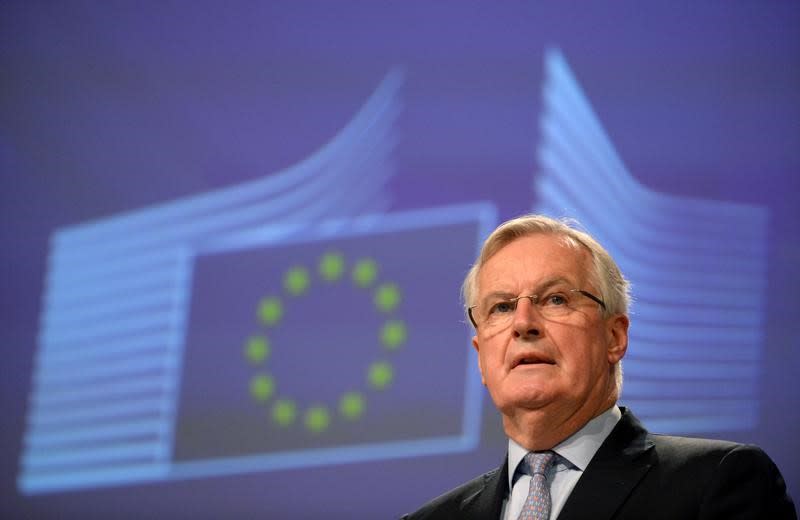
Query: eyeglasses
555	304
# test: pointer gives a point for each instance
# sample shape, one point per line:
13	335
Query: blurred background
234	235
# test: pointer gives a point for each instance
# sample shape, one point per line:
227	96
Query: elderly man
549	306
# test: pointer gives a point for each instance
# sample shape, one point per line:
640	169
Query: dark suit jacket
639	475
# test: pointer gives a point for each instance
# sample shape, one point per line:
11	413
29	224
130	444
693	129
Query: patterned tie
537	505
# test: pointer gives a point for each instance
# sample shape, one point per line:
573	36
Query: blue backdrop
234	233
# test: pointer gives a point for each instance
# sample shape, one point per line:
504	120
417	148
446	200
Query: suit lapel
613	472
487	502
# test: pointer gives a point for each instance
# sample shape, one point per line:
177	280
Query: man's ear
617	334
478	350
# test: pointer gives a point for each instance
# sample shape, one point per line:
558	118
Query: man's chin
529	398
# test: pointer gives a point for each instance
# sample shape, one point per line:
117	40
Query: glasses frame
535	297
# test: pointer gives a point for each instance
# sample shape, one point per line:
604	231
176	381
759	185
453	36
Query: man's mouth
531	359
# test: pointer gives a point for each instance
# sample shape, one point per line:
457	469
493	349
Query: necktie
537	505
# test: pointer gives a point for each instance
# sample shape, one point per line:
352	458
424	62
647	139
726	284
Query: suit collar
613	472
577	450
487	502
616	468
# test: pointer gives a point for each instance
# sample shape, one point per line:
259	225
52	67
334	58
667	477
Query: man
550	311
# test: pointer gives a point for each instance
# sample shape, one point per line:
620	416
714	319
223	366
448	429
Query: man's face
559	365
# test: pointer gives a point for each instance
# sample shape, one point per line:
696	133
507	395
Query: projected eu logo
237	347
322	347
299	282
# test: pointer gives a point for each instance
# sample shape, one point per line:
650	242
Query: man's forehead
535	259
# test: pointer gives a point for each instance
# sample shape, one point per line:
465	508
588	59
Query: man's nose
527	320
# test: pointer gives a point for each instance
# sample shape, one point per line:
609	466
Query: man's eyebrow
547	284
498	295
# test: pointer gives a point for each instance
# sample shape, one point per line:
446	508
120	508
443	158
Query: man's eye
502	307
556	299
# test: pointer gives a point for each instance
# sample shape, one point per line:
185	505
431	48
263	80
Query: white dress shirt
572	456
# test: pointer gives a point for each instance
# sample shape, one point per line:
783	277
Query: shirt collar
578	449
